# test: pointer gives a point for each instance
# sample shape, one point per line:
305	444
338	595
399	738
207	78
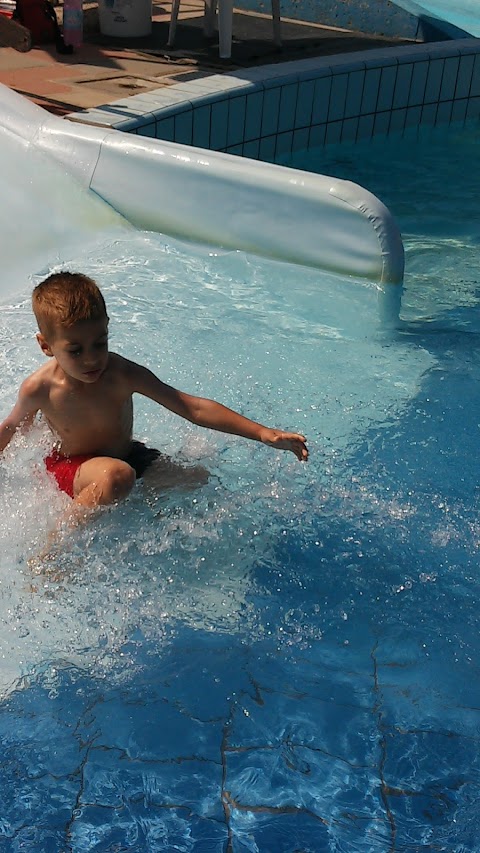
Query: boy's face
81	350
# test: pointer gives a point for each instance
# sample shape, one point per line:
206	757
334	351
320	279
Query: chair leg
277	38
225	15
209	19
173	22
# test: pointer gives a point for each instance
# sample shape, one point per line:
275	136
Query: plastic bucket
131	18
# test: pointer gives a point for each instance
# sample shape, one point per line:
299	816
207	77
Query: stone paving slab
105	69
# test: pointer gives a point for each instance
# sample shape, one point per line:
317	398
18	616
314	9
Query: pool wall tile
464	79
349	129
475	87
316	137
288	103
429	113
434	80
184	127
253	115
459	110
269	111
338	97
219	125
365	126
449	80
252	149
300	139
403	81
444	112
397	120
386	91
333	132
267	148
418	83
370	90
321	100
201	127
353	103
303	114
236	121
382	124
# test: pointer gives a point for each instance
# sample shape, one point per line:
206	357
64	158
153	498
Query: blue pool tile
303	114
397	120
147	130
475	87
271	105
434	80
235	149
201	126
382	124
354	93
218	125
444	112
321	100
459	110
402	86
333	132
473	107
165	129
184	127
236	120
413	116
288	103
252	149
316	138
267	148
429	113
365	126
370	90
284	143
300	139
253	115
464	79
349	129
387	88
449	80
338	97
418	84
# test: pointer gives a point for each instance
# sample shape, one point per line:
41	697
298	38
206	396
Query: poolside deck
105	69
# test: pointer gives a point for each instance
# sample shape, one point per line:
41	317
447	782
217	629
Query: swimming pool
286	658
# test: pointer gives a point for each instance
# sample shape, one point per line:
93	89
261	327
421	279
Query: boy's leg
164	473
101	481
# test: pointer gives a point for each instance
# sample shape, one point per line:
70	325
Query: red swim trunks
64	469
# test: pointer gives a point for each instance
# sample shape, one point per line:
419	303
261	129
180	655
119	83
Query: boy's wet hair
65	298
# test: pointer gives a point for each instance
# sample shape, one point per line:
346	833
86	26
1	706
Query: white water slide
62	182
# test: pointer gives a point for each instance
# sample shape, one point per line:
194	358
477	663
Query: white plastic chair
225	16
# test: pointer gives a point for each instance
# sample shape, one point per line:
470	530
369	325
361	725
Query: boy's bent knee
104	481
119	481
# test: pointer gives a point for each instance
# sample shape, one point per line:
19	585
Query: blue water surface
284	658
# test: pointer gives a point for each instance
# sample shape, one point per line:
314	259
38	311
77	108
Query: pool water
285	658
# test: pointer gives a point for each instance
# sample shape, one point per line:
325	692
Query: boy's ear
44	345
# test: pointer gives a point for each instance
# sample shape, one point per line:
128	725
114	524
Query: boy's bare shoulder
38	383
122	366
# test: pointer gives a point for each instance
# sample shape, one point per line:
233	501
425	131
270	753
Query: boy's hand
286	441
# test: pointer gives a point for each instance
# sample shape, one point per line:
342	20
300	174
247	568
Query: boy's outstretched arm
209	413
21	416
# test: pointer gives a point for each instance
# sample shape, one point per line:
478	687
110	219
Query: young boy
85	394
